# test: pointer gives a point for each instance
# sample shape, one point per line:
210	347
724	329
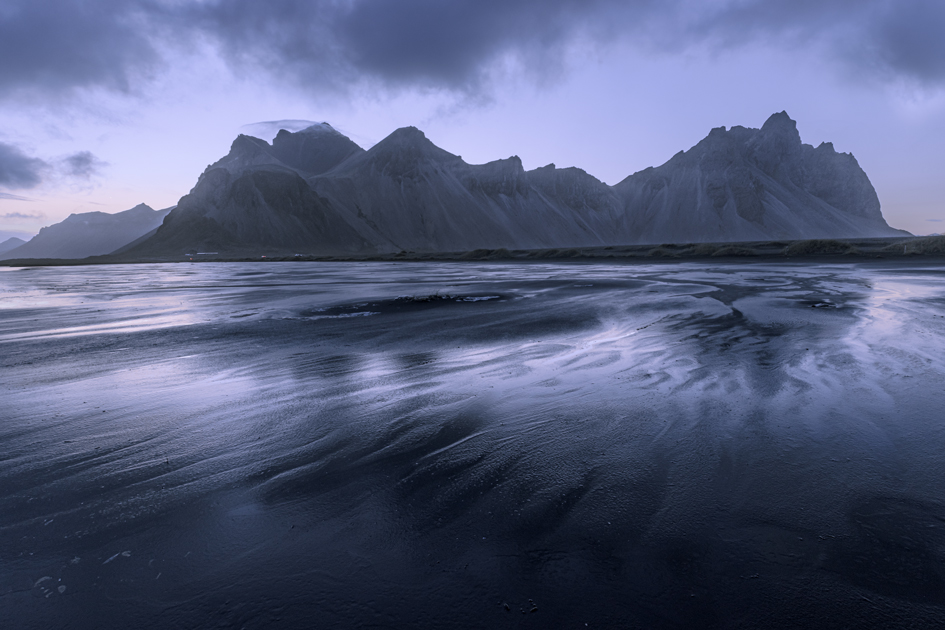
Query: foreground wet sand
730	445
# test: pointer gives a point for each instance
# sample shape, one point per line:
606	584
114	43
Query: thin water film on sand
473	445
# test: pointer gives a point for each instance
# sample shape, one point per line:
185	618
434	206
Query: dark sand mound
819	246
921	246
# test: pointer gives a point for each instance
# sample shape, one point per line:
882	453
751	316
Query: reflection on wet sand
473	445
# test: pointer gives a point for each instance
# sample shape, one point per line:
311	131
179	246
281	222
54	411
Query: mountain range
316	192
89	234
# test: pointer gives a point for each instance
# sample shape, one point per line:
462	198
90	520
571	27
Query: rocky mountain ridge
316	192
89	234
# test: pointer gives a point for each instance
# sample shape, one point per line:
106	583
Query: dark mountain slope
254	213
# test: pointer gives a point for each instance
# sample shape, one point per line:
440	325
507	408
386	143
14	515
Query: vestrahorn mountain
317	192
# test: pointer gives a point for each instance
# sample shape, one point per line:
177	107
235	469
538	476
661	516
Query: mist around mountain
11	243
89	234
317	192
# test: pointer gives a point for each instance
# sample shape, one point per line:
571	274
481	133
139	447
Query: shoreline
836	250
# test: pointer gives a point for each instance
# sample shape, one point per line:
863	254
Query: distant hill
317	192
11	243
89	234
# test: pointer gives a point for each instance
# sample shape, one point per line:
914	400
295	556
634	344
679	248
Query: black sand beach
701	444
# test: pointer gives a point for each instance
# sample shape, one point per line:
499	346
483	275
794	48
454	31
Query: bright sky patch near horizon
105	104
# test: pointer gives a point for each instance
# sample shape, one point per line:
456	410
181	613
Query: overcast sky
108	103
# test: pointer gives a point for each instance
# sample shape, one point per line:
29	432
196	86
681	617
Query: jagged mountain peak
513	163
778	134
402	151
408	132
776	144
780	121
406	137
311	151
246	153
314	150
781	127
319	129
244	144
141	207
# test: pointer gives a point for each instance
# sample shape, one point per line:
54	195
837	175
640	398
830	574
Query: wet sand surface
473	445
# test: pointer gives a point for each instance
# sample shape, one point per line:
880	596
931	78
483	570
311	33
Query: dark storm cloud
82	165
909	38
18	170
56	45
404	42
442	44
888	38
